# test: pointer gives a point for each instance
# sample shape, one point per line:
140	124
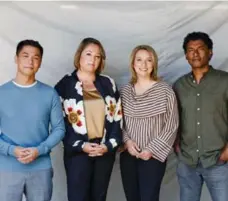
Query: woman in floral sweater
92	111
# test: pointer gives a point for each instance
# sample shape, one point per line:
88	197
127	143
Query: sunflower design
75	115
74	118
110	108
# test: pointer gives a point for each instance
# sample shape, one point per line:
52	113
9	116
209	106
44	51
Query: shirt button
198	136
197	150
198	123
198	108
198	94
194	81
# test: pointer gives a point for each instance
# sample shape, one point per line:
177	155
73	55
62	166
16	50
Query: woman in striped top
150	126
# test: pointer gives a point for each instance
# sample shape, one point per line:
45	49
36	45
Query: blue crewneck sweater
26	116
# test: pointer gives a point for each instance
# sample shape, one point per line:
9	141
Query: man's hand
176	148
132	148
224	154
145	155
20	152
31	155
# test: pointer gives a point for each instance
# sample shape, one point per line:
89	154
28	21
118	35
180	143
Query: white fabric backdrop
120	26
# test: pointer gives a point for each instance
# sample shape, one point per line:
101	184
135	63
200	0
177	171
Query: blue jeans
191	181
35	185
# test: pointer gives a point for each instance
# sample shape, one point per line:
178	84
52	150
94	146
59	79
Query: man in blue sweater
31	122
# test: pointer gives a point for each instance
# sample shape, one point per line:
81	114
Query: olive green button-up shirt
203	110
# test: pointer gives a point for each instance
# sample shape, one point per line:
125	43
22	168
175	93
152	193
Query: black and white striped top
151	119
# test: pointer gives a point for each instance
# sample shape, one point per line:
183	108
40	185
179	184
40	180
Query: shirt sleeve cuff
111	144
159	149
42	149
11	150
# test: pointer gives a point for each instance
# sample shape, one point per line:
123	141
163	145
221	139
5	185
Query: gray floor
169	190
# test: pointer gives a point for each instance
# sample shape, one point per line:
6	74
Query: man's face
198	54
28	60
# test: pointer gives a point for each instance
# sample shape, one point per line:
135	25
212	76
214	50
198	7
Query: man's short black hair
198	36
32	43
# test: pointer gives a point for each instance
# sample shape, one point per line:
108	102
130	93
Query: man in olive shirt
202	142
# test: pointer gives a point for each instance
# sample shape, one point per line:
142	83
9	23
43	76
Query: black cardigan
69	89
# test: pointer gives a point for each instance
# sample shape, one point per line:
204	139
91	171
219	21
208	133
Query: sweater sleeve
125	134
57	126
162	145
115	136
5	147
72	141
126	137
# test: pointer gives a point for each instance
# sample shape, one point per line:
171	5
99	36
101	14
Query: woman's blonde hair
84	43
132	60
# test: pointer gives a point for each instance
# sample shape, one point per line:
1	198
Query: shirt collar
209	72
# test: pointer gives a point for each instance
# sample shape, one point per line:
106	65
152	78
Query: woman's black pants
88	177
141	179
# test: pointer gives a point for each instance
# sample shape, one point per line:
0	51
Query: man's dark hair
32	43
198	36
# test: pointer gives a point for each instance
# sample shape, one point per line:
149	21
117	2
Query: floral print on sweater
71	94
